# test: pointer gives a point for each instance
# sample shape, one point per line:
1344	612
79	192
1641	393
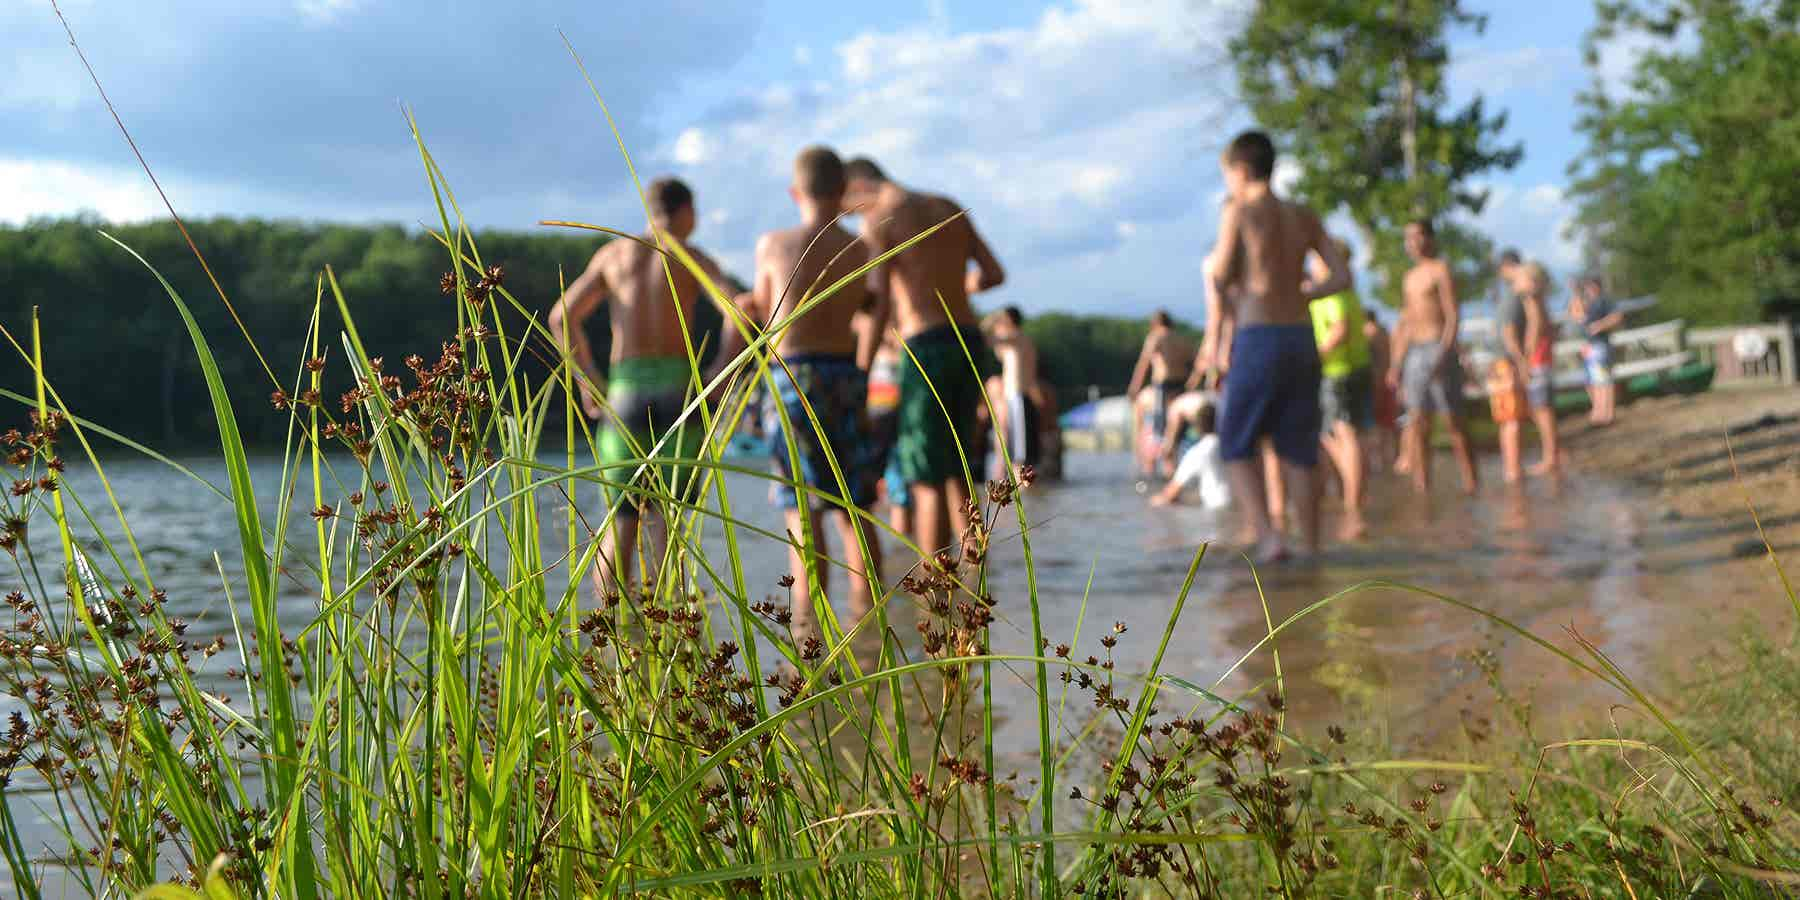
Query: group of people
885	388
1300	368
839	444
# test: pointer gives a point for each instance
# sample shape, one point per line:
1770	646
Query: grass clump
454	714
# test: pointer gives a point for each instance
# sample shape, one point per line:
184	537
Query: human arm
733	325
1535	328
987	273
1141	371
566	321
1337	268
1336	333
1609	322
1445	288
1397	346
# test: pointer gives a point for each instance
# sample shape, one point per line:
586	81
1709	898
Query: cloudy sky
1081	134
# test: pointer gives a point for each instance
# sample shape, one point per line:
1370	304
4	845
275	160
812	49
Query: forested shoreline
116	350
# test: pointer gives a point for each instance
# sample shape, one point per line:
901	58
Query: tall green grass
458	715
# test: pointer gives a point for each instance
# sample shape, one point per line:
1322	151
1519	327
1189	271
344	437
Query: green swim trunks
647	394
935	377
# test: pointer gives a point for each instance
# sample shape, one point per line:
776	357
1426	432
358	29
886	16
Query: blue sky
1081	134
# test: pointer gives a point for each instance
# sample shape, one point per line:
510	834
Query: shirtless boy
1017	412
1428	374
822	374
926	290
1272	389
649	378
1159	376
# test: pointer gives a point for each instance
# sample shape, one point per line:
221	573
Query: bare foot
1269	552
1353	528
1162	499
1470	488
1543	468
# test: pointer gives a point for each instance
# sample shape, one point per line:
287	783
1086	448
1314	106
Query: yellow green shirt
1353	353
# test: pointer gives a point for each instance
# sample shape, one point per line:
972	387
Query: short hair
667	196
1590	279
818	172
1510	257
1424	224
1161	319
1370	315
864	167
1013	315
1254	151
1207	419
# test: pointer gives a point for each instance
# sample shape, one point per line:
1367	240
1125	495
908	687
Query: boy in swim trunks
1429	375
1599	319
649	379
926	291
820	376
1259	291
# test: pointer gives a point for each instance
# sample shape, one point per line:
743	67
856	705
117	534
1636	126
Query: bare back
1266	259
928	277
1171	357
1423	310
645	321
1018	357
792	265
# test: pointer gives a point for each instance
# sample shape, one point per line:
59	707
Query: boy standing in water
1272	389
650	376
926	290
822	375
1429	375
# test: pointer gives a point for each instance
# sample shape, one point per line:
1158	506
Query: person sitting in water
1201	462
1162	370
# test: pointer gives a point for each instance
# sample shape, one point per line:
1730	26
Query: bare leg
1609	400
862	594
930	517
1465	456
1247	485
1304	484
1415	450
1545	417
1346	453
956	493
1002	414
613	573
1509	451
1276	491
805	571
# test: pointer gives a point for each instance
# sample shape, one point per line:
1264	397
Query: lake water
1544	556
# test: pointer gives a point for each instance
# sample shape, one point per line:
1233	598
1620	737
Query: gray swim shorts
1428	387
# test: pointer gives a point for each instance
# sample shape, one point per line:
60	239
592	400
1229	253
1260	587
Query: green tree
1355	90
1689	187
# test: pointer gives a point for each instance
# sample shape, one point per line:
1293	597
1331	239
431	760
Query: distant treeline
116	350
1079	352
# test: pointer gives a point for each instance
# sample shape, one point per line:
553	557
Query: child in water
1201	462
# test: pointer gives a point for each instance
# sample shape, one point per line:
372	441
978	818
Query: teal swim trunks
647	395
940	396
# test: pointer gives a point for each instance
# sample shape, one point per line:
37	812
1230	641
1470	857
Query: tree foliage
1689	187
116	349
1355	91
1077	352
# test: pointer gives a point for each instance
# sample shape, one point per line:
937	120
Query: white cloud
803	55
30	187
324	12
1534	219
692	147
